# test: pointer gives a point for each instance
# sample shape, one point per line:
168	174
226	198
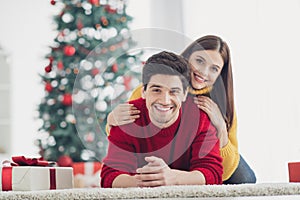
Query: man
171	143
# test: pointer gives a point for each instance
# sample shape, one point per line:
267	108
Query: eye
155	90
200	61
215	69
174	92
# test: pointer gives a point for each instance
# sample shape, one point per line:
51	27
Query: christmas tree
90	71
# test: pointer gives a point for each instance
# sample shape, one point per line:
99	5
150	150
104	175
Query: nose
165	98
204	71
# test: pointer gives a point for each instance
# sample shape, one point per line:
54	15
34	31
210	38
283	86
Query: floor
286	197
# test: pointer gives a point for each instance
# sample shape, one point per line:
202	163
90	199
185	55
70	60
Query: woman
212	85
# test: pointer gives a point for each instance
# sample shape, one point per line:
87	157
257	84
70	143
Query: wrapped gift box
294	171
22	178
87	174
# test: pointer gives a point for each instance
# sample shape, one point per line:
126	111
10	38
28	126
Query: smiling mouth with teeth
199	78
162	108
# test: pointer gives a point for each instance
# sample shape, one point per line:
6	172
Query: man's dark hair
166	63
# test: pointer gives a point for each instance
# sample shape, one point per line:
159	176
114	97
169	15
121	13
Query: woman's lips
198	78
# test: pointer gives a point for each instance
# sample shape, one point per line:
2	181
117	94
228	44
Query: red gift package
294	171
87	174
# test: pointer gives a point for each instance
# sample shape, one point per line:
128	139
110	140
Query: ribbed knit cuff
228	149
210	179
108	180
231	159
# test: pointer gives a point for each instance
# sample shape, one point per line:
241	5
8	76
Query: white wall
25	34
264	40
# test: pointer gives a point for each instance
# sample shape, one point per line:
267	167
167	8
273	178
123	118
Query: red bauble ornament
127	80
79	24
48	87
48	68
94	2
112	48
104	21
95	71
69	50
60	65
52	2
67	100
65	161
52	127
89	137
110	10
114	68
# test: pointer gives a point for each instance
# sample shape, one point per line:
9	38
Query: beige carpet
271	189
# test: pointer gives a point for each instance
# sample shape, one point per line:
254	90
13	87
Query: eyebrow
205	60
159	86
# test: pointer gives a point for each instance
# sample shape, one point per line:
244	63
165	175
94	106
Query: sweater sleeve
229	152
120	158
206	154
136	93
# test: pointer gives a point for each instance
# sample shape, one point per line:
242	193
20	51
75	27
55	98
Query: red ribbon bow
23	161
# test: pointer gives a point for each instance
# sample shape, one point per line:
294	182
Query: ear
185	96
143	92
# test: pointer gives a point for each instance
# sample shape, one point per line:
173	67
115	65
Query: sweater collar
201	91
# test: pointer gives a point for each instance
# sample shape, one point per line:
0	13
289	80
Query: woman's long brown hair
222	92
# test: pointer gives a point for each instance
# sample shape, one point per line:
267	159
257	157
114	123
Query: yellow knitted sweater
229	152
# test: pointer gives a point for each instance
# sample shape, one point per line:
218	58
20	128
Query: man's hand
155	173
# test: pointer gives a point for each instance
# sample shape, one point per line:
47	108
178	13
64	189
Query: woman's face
206	66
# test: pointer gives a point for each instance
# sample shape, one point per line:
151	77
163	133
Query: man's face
164	96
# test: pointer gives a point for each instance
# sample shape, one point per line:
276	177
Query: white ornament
101	106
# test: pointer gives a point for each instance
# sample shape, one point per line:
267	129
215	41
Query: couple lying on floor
179	131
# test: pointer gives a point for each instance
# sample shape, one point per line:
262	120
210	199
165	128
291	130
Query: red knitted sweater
188	144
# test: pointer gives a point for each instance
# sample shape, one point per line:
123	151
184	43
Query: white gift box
24	178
